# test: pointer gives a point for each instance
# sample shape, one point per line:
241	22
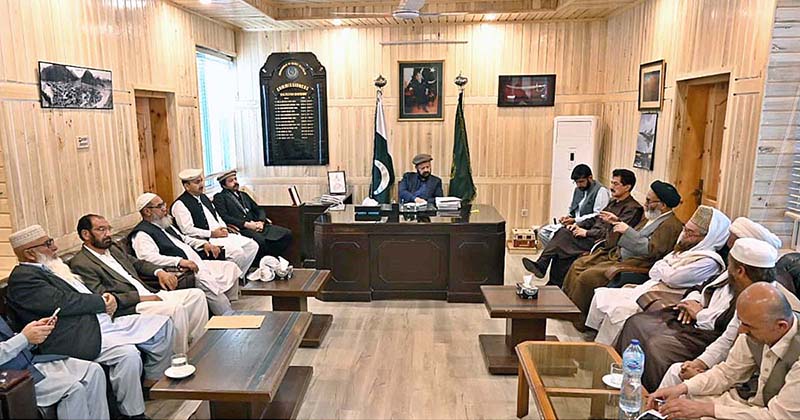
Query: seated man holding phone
76	387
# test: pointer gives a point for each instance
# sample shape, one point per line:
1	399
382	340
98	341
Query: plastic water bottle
630	394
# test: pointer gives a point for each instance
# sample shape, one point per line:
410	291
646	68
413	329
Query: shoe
533	267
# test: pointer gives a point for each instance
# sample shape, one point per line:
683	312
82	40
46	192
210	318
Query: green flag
461	184
382	166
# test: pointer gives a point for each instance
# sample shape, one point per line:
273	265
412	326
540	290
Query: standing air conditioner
576	139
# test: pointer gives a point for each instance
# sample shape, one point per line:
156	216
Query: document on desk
234	322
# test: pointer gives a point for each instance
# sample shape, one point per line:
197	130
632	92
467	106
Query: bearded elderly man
196	217
42	283
105	267
420	186
238	209
760	378
693	261
640	247
155	240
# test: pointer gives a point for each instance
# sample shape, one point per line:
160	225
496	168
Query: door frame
170	99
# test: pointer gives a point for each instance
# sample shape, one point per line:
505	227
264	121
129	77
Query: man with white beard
155	240
42	283
196	217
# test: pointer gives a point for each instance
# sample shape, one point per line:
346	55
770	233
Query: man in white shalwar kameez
694	261
196	217
86	330
155	240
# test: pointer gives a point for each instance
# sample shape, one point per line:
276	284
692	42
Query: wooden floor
400	360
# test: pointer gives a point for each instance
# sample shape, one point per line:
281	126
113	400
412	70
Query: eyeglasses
48	243
647	201
158	206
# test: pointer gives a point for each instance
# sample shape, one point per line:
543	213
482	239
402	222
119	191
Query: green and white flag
461	184
382	166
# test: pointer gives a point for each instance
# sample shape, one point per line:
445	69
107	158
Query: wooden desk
526	319
245	373
291	295
576	392
411	256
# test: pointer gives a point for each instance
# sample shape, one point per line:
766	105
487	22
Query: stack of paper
448	203
332	199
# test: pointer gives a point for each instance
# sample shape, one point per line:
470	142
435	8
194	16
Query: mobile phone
52	319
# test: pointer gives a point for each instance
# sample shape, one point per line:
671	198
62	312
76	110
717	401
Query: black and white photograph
529	90
64	86
646	141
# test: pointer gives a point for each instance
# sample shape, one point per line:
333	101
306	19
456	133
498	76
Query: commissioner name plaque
294	110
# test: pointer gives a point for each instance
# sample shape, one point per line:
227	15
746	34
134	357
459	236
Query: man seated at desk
420	186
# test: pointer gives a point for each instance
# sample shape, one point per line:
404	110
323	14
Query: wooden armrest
17	396
617	269
186	278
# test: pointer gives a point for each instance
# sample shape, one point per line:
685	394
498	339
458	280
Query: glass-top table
566	380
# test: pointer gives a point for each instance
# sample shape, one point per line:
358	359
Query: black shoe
533	267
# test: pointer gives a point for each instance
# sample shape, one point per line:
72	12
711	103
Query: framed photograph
646	141
337	183
421	90
651	85
64	86
528	90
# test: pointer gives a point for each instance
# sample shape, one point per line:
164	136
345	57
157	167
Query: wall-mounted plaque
294	110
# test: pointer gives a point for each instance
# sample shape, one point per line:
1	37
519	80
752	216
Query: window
216	94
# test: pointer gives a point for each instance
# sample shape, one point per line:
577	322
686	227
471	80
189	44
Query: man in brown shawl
572	241
640	247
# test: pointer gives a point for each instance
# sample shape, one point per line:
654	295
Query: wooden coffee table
245	373
526	319
292	295
566	380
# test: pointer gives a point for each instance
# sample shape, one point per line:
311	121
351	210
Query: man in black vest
196	216
77	387
238	209
760	379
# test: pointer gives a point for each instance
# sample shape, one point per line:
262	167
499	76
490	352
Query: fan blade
362	14
434	14
411	4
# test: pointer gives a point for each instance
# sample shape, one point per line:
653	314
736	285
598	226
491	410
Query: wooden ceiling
259	15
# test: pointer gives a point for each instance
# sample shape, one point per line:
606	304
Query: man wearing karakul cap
420	186
693	260
238	209
196	217
155	240
640	247
673	335
88	327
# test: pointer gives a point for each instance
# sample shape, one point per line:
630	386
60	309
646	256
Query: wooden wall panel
695	38
510	147
147	44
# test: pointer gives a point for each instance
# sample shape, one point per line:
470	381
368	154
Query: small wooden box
523	238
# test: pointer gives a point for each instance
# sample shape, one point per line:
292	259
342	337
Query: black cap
666	193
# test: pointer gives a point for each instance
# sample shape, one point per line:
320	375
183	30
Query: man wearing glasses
155	240
637	247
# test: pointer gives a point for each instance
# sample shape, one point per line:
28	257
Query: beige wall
695	38
510	147
147	44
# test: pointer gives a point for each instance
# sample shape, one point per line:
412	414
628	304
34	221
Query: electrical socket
524	212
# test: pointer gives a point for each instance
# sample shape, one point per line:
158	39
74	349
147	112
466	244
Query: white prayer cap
26	236
754	252
190	174
746	228
144	200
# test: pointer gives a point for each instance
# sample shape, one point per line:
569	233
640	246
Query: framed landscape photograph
63	86
421	90
651	85
646	141
528	90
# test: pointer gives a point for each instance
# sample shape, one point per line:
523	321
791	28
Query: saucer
613	380
180	372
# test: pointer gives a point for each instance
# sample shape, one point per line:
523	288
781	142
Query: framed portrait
646	141
63	86
421	90
337	183
527	90
651	85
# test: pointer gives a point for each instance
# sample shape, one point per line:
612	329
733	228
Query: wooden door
154	145
712	148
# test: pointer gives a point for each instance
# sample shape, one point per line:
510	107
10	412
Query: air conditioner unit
576	139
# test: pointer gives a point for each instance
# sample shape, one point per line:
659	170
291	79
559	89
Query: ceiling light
490	16
337	22
206	1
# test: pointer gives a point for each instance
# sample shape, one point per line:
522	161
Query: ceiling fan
407	9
